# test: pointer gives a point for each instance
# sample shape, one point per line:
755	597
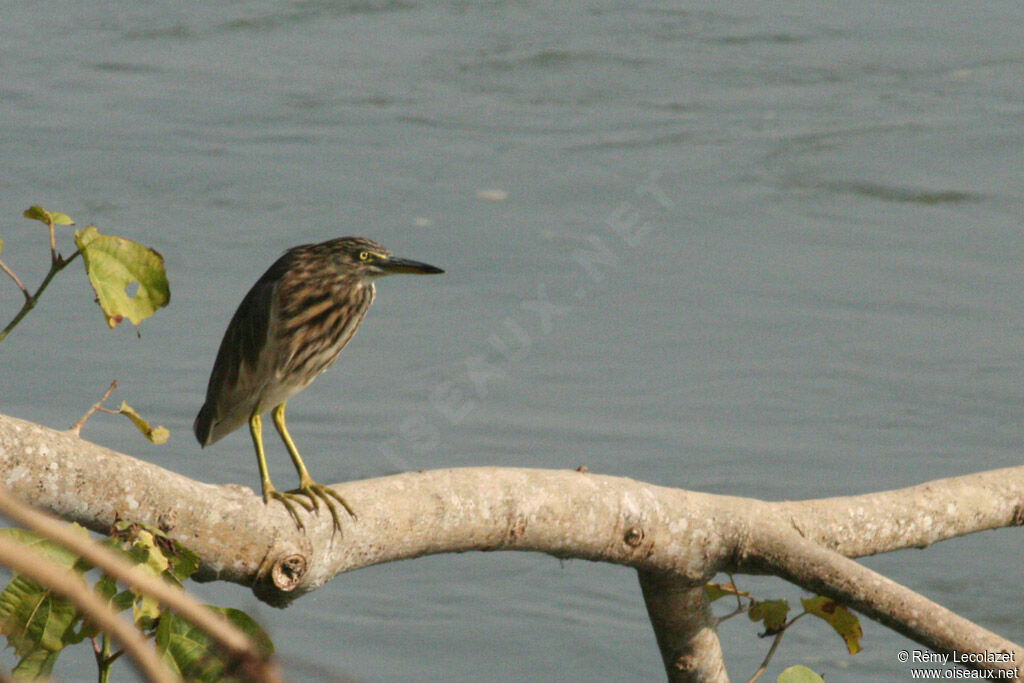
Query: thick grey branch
685	629
782	552
916	516
662	532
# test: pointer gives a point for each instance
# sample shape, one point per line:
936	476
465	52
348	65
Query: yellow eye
364	256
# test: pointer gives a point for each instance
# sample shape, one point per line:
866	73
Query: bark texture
676	539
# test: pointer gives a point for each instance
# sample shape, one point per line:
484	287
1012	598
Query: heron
289	328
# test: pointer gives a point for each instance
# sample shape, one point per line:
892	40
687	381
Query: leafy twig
157	435
76	428
775	645
32	564
57	262
112	264
238	646
30	300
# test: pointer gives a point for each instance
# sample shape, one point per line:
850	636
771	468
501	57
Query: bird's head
370	259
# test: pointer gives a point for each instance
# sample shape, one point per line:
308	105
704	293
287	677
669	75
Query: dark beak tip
401	265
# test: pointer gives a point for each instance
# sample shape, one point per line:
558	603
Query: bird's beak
402	265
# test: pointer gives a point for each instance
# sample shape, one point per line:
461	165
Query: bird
289	328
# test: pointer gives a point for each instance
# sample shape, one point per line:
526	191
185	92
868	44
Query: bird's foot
329	496
289	500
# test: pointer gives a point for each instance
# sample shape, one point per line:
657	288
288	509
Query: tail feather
203	426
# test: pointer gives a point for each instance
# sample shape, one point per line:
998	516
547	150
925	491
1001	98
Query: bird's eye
364	256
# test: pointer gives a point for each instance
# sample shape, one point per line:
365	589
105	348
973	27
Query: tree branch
662	532
684	627
782	552
916	516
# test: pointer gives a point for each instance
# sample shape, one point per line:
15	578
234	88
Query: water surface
781	247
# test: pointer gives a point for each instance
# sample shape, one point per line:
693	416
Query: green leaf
190	653
800	674
714	591
772	613
123	600
145	612
841	619
113	264
36	665
32	617
37	622
157	435
106	590
184	563
1	245
47	548
38	213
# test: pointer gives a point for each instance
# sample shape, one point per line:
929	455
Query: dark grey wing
234	387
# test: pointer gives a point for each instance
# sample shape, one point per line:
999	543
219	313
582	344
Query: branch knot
633	537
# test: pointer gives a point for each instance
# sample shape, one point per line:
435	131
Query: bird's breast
323	332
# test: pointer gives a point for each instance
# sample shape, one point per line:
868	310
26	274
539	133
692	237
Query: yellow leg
269	492
307	486
282	428
256	429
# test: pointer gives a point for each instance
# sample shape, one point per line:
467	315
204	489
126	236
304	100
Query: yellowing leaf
113	264
1	245
156	560
841	619
800	674
146	609
38	213
714	591
157	435
772	613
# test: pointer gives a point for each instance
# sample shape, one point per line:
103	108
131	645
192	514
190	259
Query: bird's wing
241	367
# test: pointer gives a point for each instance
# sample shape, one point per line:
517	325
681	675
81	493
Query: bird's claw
315	491
289	500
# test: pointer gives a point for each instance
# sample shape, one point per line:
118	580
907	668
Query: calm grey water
762	251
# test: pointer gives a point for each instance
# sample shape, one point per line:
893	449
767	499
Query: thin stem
76	428
775	645
739	600
104	661
53	243
739	610
740	607
16	280
768	657
57	264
